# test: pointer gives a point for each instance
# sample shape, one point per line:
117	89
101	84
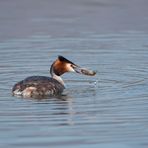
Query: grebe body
35	86
39	86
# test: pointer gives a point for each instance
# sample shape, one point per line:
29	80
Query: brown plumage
35	86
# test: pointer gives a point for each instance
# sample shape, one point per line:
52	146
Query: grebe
39	86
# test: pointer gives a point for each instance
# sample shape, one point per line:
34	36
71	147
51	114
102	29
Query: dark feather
62	59
44	85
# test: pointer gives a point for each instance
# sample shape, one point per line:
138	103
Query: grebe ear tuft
62	59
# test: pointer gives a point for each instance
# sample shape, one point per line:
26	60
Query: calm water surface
108	110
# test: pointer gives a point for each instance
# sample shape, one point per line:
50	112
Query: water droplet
96	83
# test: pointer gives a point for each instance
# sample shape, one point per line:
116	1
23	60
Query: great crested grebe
39	86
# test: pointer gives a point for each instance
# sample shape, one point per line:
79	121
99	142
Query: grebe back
39	86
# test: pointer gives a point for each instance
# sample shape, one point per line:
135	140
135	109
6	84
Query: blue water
108	110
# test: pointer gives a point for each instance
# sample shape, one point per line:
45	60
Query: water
108	110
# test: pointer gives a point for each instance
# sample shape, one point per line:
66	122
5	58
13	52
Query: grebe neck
54	76
59	79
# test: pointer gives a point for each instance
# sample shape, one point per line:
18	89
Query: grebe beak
83	71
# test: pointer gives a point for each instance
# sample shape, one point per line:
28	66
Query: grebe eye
73	66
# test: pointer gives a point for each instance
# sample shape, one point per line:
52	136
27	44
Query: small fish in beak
83	71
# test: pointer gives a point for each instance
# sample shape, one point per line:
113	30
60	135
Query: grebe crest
39	86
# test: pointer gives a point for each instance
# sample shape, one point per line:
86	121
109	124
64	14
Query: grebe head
63	65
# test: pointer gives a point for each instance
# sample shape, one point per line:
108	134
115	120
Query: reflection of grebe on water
38	86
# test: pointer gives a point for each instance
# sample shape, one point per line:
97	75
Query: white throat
58	78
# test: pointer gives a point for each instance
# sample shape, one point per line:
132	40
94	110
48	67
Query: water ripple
108	108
